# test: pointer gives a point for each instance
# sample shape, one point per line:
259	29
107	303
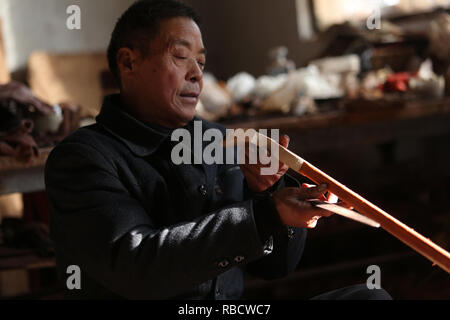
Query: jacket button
239	259
202	190
291	233
223	263
218	190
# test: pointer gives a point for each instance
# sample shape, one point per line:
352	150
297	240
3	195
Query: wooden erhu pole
407	235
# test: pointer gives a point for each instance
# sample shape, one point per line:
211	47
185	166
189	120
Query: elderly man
137	225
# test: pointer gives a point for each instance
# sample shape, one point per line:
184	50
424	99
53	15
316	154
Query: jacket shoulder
93	136
91	143
212	125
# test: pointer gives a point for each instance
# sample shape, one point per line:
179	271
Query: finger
256	181
324	213
257	178
252	161
252	165
315	210
255	159
250	148
332	198
312	223
312	193
345	205
256	167
249	171
306	185
283	169
303	214
284	140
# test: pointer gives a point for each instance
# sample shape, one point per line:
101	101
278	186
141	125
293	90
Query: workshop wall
41	25
238	34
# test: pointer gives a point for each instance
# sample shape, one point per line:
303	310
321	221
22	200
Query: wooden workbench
22	177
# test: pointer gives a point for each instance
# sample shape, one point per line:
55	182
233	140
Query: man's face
167	83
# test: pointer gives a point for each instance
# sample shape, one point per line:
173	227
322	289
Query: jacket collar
141	138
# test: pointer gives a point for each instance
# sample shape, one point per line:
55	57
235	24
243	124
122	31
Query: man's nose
195	73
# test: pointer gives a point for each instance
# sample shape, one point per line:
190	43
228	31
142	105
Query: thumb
284	140
306	185
312	193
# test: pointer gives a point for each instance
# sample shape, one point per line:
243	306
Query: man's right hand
295	210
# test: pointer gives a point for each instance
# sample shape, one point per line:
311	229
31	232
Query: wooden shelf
408	110
9	163
16	176
13	259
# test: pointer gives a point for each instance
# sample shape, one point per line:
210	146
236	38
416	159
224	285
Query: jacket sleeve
110	235
286	244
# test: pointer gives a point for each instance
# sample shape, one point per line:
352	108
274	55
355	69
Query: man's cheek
174	82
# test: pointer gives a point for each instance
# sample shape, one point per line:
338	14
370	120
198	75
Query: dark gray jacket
140	227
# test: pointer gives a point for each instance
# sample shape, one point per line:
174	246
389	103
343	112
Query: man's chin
185	118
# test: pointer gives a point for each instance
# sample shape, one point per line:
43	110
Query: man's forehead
183	31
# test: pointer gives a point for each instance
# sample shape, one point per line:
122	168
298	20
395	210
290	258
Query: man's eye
181	57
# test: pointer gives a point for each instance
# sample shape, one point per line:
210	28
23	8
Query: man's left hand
252	172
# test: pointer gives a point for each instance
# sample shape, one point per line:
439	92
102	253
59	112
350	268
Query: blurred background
362	87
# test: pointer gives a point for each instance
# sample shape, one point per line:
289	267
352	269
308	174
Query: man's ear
126	61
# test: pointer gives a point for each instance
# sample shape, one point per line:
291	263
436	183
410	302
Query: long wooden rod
401	231
407	235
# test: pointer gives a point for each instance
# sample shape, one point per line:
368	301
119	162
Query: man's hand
294	209
330	197
252	172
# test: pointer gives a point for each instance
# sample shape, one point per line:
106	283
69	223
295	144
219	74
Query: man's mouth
189	97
